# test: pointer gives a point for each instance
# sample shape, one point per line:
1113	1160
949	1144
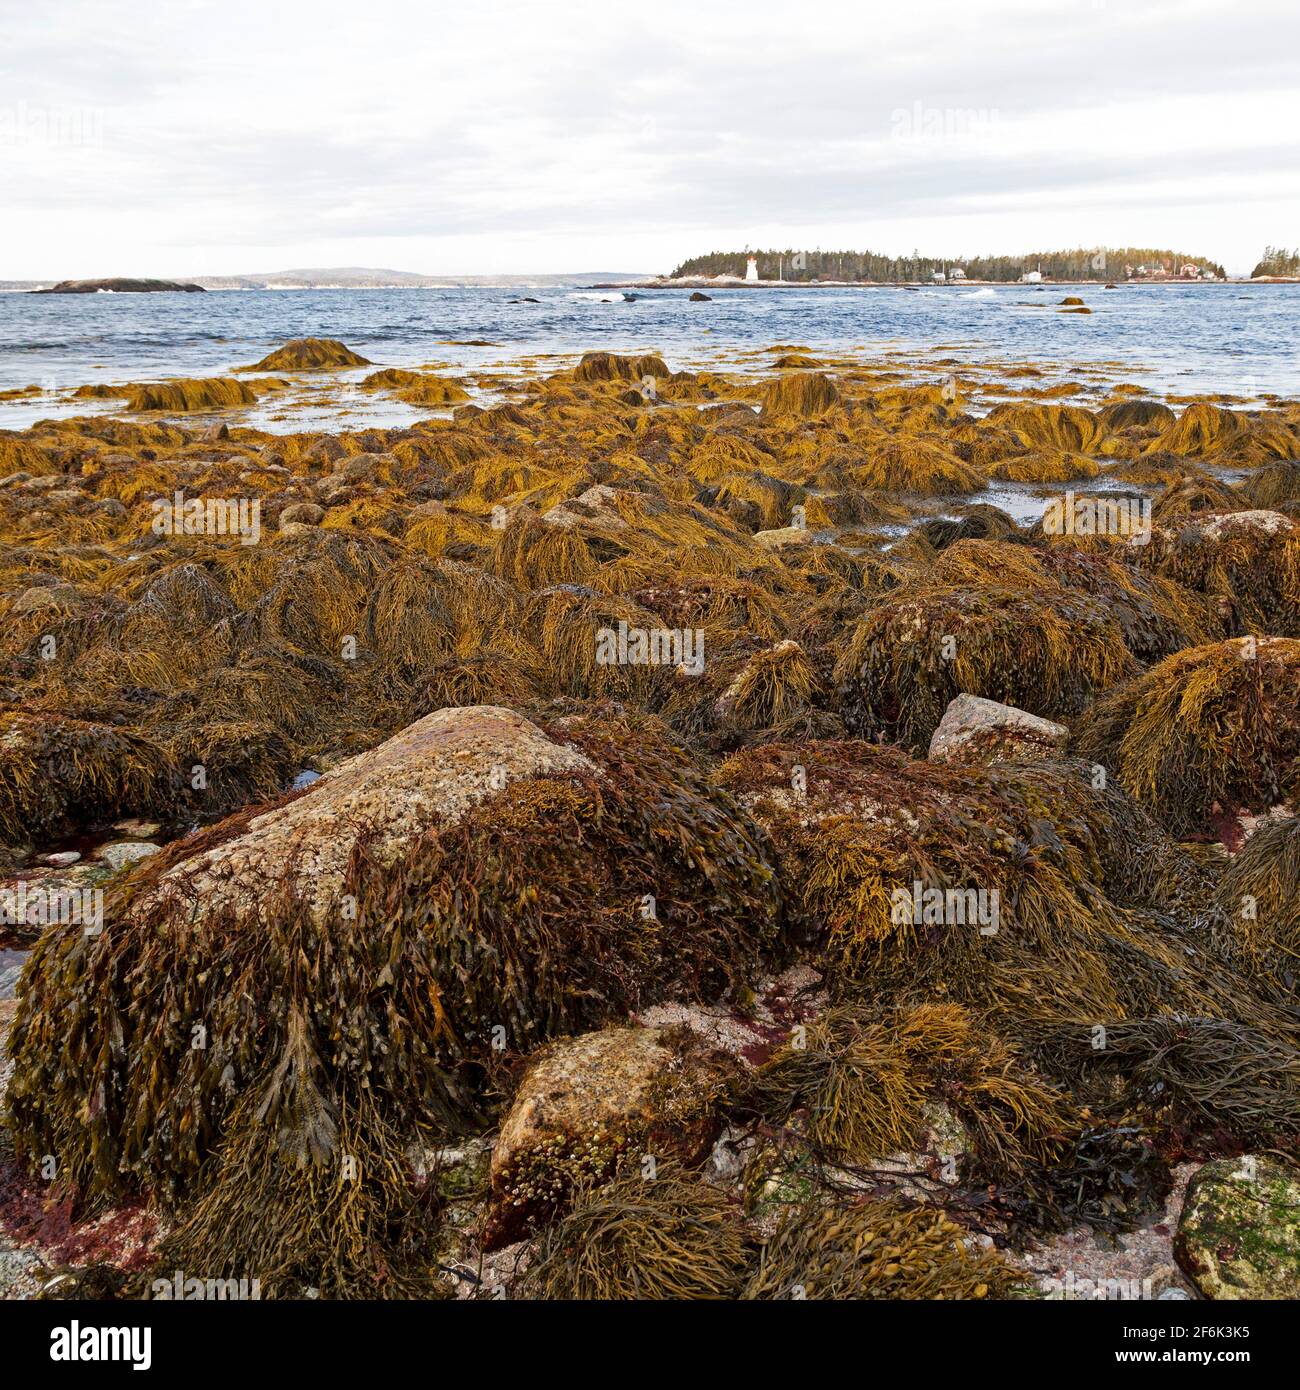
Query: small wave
981	294
601	296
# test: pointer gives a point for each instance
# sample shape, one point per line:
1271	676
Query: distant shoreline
695	282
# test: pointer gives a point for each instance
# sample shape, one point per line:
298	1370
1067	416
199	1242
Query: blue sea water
1172	339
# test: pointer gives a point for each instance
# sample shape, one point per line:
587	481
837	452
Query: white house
751	268
938	277
1031	277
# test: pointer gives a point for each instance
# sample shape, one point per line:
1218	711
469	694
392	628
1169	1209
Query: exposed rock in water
585	1103
309	355
212	394
610	366
805	395
698	298
121	287
977	730
1239	1233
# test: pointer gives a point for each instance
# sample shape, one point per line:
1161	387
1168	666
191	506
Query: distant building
938	277
956	273
1031	277
751	268
1190	271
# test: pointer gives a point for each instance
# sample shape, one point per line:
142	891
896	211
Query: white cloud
213	136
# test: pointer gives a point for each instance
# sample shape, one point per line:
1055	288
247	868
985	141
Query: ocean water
1172	339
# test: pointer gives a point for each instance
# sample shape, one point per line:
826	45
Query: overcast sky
217	136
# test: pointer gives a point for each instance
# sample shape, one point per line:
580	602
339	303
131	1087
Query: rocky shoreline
651	833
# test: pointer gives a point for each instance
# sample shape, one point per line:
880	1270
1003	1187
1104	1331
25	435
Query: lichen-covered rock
1239	1233
584	1103
977	730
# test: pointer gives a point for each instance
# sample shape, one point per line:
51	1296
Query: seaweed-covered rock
977	730
1249	561
317	982
309	355
872	1249
803	395
1044	650
1259	896
302	514
585	1103
211	394
1239	1232
58	773
610	366
774	685
429	389
1214	729
666	1236
874	1083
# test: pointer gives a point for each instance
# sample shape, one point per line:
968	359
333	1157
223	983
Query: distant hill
367	278
1100	264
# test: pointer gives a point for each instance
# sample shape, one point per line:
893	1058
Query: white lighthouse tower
751	268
